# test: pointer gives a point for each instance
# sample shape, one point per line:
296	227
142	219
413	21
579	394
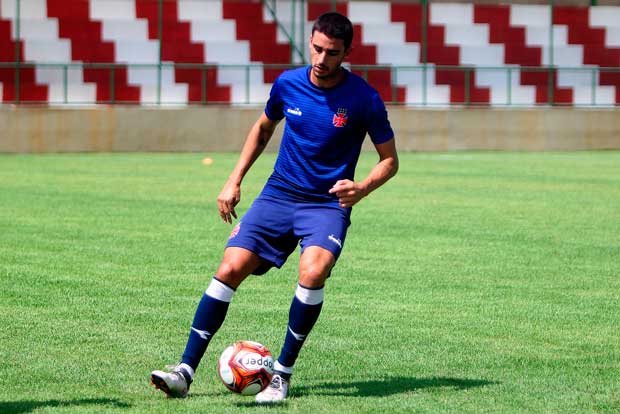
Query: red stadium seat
88	46
29	90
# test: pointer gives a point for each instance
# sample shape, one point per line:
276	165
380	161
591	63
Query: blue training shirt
323	135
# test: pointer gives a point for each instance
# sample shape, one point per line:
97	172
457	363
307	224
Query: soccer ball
246	367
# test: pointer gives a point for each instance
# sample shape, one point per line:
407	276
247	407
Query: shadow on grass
381	388
387	386
27	406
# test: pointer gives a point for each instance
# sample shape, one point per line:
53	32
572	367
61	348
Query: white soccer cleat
174	384
275	392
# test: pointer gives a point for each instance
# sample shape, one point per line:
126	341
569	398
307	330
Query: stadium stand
438	53
593	40
365	54
129	34
213	51
87	45
223	47
177	47
261	36
29	88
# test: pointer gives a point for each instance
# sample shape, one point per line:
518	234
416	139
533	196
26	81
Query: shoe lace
174	370
276	382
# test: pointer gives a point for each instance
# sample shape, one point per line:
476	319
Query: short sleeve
274	107
379	127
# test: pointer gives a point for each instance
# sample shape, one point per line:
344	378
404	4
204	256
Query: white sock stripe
218	290
309	296
279	367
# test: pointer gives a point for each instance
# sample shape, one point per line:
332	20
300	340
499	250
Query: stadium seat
29	89
221	46
489	54
593	39
418	91
460	79
367	53
133	47
524	32
177	47
261	35
43	46
88	46
169	92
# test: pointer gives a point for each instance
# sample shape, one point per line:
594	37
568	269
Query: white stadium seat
29	9
612	36
76	90
530	15
210	10
450	13
228	52
605	16
112	10
170	92
398	54
213	31
369	11
416	92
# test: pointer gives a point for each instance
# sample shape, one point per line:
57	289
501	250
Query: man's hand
227	200
348	192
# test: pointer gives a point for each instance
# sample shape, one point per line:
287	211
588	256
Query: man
307	200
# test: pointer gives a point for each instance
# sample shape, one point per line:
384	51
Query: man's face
326	56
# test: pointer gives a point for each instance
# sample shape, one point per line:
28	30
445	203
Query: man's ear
348	51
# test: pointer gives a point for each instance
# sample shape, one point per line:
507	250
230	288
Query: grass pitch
470	283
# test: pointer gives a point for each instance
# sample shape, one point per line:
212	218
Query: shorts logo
235	231
335	240
340	118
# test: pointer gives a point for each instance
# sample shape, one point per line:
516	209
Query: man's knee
315	266
313	276
236	265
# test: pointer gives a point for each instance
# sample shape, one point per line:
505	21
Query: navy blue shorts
272	229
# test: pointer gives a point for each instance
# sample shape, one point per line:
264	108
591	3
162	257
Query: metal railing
416	81
413	81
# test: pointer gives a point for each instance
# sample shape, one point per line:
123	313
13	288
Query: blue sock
304	312
209	317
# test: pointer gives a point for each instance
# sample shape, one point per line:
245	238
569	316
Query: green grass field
473	282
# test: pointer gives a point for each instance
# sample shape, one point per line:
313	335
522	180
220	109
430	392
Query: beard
324	72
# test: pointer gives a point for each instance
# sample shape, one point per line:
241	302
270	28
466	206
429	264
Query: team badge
235	231
340	118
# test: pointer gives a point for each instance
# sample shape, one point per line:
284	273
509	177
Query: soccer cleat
174	384
275	392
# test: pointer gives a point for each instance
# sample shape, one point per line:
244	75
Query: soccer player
307	200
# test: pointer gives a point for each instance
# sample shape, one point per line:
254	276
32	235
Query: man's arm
349	192
255	143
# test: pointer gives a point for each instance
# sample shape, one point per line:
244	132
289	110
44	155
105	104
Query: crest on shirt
340	118
235	231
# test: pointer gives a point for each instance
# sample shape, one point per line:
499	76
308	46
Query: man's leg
314	268
236	265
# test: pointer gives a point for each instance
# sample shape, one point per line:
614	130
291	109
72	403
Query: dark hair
335	25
